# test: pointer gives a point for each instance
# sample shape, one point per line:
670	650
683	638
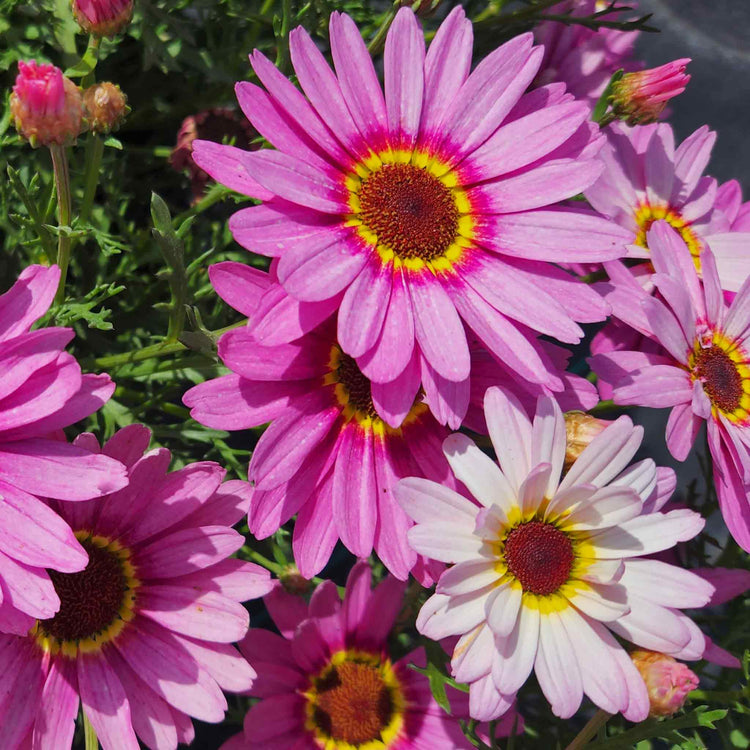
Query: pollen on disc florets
410	210
646	215
539	556
356	699
95	603
721	379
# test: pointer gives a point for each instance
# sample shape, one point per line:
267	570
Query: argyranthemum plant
544	566
427	208
142	636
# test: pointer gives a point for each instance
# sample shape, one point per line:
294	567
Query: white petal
468	576
502	608
606	455
567	500
651	626
696	646
478	472
510	432
608	507
641	476
548	440
666	584
603	571
472	656
601	602
443	541
451	615
485	702
645	535
515	655
531	493
425	501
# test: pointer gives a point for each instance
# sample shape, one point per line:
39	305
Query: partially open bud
104	107
102	17
580	429
45	105
639	98
293	581
668	681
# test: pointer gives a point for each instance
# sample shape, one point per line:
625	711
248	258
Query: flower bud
211	125
102	17
45	105
104	107
639	98
293	581
668	681
580	430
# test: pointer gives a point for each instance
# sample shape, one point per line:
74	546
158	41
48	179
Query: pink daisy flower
544	568
701	369
142	636
329	681
583	59
428	207
42	390
647	179
337	442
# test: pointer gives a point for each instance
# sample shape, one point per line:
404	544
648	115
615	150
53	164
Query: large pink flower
142	636
329	680
337	442
647	179
413	211
545	565
41	391
701	369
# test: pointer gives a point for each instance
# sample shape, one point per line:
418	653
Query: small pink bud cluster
668	681
105	107
640	98
45	105
103	17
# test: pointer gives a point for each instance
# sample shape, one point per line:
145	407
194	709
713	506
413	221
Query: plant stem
62	183
92	743
377	42
596	722
94	151
283	56
257	557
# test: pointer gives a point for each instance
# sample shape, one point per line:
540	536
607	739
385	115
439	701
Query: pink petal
228	165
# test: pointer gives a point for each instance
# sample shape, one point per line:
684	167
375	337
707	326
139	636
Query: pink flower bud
668	681
103	17
580	430
640	97
105	107
45	105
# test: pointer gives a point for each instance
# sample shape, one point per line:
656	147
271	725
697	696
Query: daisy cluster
429	235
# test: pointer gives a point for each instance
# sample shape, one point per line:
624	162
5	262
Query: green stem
94	151
493	13
89	735
62	183
378	41
256	556
597	721
283	57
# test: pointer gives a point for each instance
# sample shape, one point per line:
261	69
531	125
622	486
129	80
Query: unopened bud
580	430
639	98
422	8
45	105
668	681
293	581
104	107
102	17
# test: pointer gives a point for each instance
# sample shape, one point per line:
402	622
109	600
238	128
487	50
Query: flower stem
94	151
62	183
597	721
377	42
92	743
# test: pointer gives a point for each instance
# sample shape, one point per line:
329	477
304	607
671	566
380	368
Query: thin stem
282	56
597	721
62	183
378	41
256	556
89	735
94	151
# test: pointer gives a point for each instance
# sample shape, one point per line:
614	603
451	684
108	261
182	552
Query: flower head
102	17
583	59
329	680
45	105
544	568
338	441
647	179
105	107
668	681
42	390
424	209
142	635
700	369
640	98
